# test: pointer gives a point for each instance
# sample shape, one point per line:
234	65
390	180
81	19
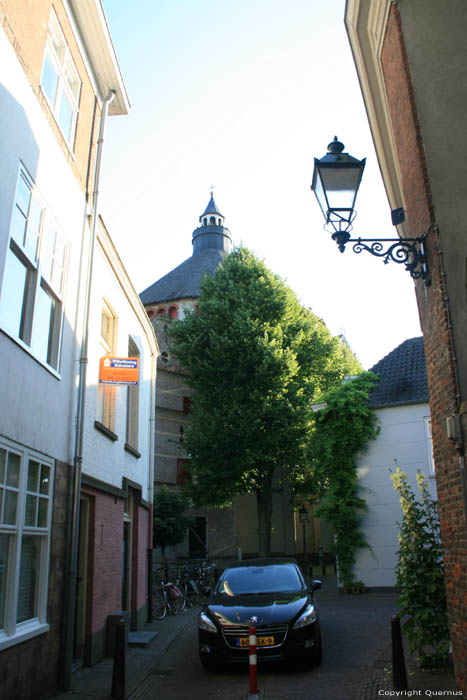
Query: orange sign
119	370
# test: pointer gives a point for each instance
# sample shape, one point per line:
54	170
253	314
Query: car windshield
247	580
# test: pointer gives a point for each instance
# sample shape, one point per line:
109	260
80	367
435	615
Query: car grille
234	632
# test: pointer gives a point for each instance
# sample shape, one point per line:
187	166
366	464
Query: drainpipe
152	428
72	575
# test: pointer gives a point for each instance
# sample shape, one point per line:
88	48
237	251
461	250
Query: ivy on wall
342	430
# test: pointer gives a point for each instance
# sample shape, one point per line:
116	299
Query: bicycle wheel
184	597
198	597
159	610
174	604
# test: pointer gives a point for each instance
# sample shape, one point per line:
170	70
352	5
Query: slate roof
211	208
402	376
184	281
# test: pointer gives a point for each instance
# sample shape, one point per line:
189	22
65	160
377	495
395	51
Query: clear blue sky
243	95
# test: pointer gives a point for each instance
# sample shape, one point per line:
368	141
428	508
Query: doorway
82	578
197	538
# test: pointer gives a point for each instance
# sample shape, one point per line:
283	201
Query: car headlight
307	617
204	623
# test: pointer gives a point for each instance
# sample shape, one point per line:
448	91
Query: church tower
180	288
165	300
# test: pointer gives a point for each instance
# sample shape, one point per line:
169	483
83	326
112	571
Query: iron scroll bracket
407	251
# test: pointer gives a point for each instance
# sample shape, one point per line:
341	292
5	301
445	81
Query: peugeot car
270	595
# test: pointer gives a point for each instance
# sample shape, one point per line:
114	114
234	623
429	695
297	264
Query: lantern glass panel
341	183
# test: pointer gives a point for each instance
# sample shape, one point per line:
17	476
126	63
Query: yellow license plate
260	642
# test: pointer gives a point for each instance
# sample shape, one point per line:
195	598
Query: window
34	276
132	414
26	480
429	443
183	474
107	392
60	81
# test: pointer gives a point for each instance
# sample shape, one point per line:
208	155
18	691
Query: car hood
269	608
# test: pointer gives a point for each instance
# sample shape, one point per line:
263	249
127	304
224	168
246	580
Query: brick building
411	59
118	463
219	533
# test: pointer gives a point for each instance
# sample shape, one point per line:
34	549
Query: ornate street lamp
336	180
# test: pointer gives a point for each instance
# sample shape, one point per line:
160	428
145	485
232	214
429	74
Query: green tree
420	573
170	519
342	430
256	361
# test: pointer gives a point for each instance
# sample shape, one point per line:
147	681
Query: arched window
151	313
212	220
205	221
161	311
173	312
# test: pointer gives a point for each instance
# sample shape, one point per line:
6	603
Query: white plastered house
401	404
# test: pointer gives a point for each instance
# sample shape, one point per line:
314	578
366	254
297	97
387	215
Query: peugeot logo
253	620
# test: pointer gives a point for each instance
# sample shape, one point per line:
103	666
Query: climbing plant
343	428
420	573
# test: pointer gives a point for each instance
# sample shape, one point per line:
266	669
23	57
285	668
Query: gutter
72	573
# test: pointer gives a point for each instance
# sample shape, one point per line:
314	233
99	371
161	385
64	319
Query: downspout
152	430
72	575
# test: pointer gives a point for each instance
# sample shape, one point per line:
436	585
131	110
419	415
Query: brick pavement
143	662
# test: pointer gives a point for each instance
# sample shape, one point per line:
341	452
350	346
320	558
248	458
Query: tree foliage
256	361
420	573
342	430
170	518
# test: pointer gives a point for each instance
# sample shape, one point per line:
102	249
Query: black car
271	595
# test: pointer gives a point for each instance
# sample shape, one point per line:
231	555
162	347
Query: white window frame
107	392
132	415
67	89
45	263
14	632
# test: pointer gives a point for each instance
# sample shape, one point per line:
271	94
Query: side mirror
316	584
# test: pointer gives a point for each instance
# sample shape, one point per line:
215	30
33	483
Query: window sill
132	450
105	431
23	633
27	349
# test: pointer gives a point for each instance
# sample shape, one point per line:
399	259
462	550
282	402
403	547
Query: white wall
103	458
40	410
403	438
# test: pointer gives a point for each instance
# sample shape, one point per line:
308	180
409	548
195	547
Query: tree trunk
264	503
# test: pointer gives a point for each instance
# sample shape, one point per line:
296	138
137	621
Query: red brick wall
107	547
434	317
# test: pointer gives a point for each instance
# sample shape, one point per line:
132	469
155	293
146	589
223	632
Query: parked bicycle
191	592
166	596
207	575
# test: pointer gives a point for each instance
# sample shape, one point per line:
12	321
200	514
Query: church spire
211	215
